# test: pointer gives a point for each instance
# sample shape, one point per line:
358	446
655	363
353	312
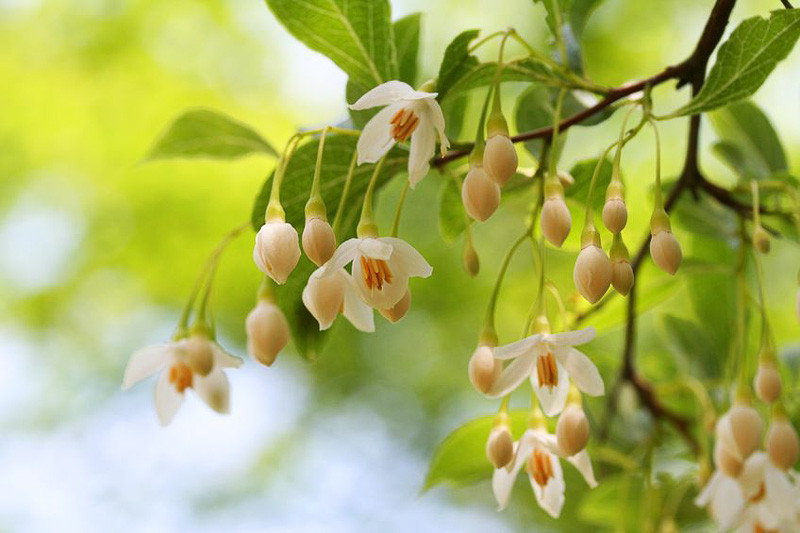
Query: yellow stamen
540	467
547	370
375	272
180	374
404	122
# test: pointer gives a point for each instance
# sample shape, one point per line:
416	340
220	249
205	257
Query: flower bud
277	250
556	220
761	240
319	241
739	430
622	276
500	446
483	369
323	296
767	383
572	430
665	251
565	178
399	309
267	332
592	273
199	355
500	158
480	195
782	445
725	461
615	214
472	263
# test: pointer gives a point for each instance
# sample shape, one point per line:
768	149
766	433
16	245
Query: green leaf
699	355
746	59
553	16
354	34
206	133
455	111
749	143
582	173
456	61
406	42
579	14
706	218
452	220
461	458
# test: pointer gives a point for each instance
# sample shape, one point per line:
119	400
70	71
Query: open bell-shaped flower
326	295
277	250
407	113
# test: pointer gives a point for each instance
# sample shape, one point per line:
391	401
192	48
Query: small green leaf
706	217
455	110
579	14
746	59
452	221
699	355
206	133
582	173
406	42
456	61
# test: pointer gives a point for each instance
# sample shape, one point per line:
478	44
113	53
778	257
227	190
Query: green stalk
366	224
337	220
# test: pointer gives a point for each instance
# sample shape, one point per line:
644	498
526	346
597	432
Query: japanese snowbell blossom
723	497
407	113
538	450
770	494
327	295
177	362
548	360
381	268
739	430
277	250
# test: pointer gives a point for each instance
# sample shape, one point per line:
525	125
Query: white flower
267	332
539	450
277	250
407	113
381	268
549	361
327	295
724	499
179	371
771	496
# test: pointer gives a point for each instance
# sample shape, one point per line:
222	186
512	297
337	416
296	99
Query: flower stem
488	323
366	224
315	207
399	209
554	140
337	220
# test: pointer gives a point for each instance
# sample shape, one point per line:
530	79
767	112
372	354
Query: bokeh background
98	251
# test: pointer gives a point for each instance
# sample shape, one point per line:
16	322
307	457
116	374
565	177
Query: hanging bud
739	430
664	247
565	179
480	195
761	240
399	309
323	296
472	262
500	446
725	461
621	269
767	382
199	354
556	220
592	273
277	250
615	213
267	332
483	369
319	241
782	445
572	430
500	158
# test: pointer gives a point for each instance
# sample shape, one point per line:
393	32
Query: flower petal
376	137
222	359
423	146
581	369
436	118
146	362
582	462
552	399
513	375
376	248
503	478
387	93
551	496
407	258
214	390
780	493
572	338
344	254
168	399
355	310
515	349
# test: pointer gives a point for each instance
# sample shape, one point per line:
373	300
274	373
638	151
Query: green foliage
582	172
705	217
206	133
746	59
456	62
452	219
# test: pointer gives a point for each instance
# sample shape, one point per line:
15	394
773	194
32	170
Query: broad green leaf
456	61
461	458
452	219
579	14
339	150
582	173
455	111
705	217
746	59
751	145
573	15
556	12
206	133
354	34
699	356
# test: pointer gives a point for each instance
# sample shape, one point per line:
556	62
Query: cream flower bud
615	214
761	240
199	354
767	383
592	273
572	430
744	433
267	332
277	250
399	309
483	369
556	220
319	241
782	445
622	276
565	178
480	195
323	296
665	251
725	461
500	158
500	446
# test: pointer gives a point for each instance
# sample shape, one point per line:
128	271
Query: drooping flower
194	362
381	268
267	332
770	496
739	430
407	113
277	250
327	295
723	495
538	450
549	360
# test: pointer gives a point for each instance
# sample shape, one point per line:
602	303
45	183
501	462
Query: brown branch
787	4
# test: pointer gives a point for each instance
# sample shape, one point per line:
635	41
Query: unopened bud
399	309
267	332
565	178
500	446
199	355
480	195
277	250
782	445
725	461
319	241
740	430
665	251
572	430
767	383
472	263
615	214
323	296
761	240
500	158
592	273
483	369
556	220
622	276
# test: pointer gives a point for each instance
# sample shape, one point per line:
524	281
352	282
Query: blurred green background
98	251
